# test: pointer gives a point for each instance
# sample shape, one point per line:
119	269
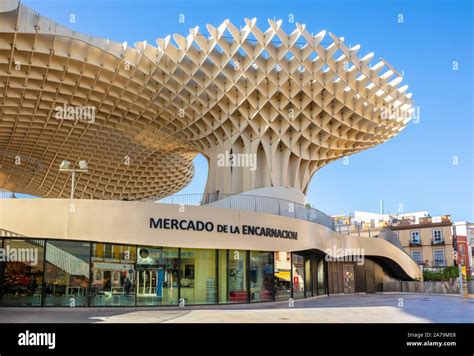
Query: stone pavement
363	308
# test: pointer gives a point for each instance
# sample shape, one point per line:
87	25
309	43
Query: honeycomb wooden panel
295	101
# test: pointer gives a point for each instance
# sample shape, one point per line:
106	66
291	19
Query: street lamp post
64	167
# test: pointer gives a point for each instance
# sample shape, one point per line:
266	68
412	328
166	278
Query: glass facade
322	282
112	275
314	274
282	275
198	276
297	265
157	276
307	277
66	274
261	276
23	273
235	283
37	272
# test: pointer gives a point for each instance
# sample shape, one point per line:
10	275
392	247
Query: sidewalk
362	308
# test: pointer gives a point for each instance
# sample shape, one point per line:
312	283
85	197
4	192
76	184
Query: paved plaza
378	308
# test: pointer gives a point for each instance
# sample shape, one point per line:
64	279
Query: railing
253	203
6	194
356	229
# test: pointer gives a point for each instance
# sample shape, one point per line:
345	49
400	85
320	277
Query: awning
285	275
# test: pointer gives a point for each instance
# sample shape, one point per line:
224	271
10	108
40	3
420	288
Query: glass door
348	271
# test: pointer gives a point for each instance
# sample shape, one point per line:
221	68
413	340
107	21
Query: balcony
437	242
415	243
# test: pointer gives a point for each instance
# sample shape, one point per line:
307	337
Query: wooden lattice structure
297	101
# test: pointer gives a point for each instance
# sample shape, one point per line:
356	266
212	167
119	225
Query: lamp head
64	164
83	164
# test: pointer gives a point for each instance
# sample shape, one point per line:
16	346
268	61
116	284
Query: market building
105	134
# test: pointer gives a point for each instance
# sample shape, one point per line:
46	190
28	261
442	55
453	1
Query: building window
314	274
282	276
66	276
437	236
198	276
157	275
23	278
415	237
298	276
416	255
107	248
307	277
461	249
438	257
261	276
233	276
113	275
321	276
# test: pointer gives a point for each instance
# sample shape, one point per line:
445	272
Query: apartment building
428	240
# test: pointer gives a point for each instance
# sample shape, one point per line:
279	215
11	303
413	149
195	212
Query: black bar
367	339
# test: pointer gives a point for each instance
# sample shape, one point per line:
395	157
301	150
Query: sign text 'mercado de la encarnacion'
198	225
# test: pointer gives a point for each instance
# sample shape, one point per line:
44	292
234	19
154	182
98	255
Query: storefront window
223	292
66	273
314	274
261	276
113	275
23	276
157	276
321	277
282	276
307	277
298	276
233	267
198	276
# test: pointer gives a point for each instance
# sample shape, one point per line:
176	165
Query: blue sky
414	169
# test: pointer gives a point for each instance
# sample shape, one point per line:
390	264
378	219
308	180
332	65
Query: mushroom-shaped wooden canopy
294	102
